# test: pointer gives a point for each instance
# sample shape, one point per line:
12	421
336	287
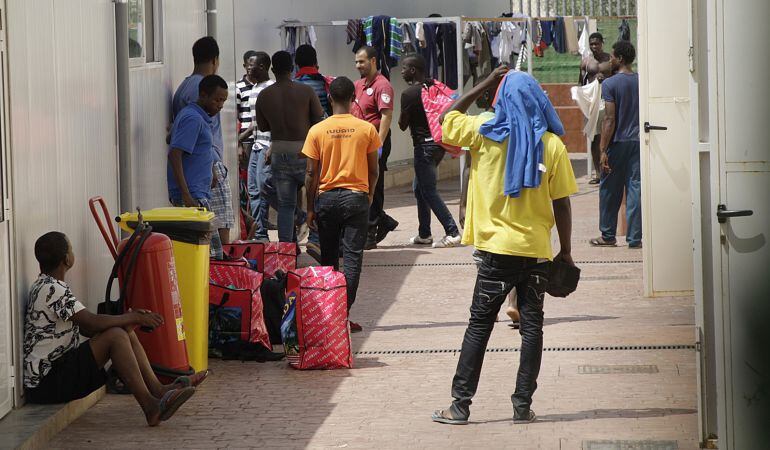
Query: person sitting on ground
60	366
342	170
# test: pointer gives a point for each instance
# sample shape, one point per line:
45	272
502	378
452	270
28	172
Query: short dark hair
247	55
370	51
282	62
205	50
51	250
263	59
210	83
417	61
306	56
596	35
342	89
624	50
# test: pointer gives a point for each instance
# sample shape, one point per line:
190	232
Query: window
145	34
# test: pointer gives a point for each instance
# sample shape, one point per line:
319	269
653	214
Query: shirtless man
287	110
595	66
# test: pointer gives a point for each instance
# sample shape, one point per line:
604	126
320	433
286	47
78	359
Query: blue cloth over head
523	113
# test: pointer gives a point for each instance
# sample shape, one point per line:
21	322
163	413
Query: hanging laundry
395	49
511	36
294	36
383	34
559	36
409	42
446	39
355	34
547	31
419	33
624	31
571	34
426	32
583	47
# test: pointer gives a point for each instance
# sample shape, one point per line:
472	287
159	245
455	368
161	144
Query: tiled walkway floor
415	304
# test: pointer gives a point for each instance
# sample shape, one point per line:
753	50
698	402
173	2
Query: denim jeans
258	173
343	215
288	177
497	275
624	165
426	160
377	210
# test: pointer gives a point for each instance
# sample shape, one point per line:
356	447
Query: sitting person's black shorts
73	376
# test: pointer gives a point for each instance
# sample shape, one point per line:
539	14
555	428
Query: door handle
723	213
648	127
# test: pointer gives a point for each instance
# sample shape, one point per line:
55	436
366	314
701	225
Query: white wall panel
63	135
152	88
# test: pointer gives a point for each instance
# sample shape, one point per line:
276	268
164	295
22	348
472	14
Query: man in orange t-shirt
342	170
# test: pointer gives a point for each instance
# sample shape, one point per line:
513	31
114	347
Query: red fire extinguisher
144	266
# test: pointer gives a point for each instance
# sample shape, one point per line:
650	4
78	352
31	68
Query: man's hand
188	201
268	154
565	258
604	162
495	76
310	220
145	318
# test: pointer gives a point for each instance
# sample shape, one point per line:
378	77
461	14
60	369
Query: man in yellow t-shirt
342	170
513	237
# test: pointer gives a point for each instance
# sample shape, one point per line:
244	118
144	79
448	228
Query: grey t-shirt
623	90
187	93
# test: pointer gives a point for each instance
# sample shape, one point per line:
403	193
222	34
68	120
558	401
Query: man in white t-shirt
60	366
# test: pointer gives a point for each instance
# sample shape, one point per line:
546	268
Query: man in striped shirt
243	100
258	68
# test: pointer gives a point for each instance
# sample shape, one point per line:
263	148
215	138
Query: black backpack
273	292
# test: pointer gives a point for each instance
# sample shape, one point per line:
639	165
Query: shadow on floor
592	414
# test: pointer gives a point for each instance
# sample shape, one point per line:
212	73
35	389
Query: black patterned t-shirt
49	331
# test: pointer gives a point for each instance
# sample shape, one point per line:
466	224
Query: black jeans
426	160
343	214
377	210
498	274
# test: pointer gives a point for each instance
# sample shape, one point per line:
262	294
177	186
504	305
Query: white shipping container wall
63	133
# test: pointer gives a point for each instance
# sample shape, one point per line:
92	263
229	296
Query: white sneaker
417	240
448	241
302	232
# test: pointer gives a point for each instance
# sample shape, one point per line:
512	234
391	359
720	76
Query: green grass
556	67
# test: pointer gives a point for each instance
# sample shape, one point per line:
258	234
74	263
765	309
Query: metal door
739	105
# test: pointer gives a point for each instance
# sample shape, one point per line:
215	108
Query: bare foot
152	414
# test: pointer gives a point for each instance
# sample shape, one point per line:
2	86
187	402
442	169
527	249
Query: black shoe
528	417
314	251
262	355
371	242
388	224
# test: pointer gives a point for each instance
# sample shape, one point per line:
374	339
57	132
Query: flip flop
440	417
192	380
600	242
172	400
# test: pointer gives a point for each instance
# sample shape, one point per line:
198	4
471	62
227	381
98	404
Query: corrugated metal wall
63	132
152	87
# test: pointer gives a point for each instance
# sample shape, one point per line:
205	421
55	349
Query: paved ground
415	304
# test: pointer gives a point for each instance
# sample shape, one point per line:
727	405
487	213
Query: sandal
600	242
441	416
192	380
594	181
172	400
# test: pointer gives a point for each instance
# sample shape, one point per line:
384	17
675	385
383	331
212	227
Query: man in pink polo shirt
374	104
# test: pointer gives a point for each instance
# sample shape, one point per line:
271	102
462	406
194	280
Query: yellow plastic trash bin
190	232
